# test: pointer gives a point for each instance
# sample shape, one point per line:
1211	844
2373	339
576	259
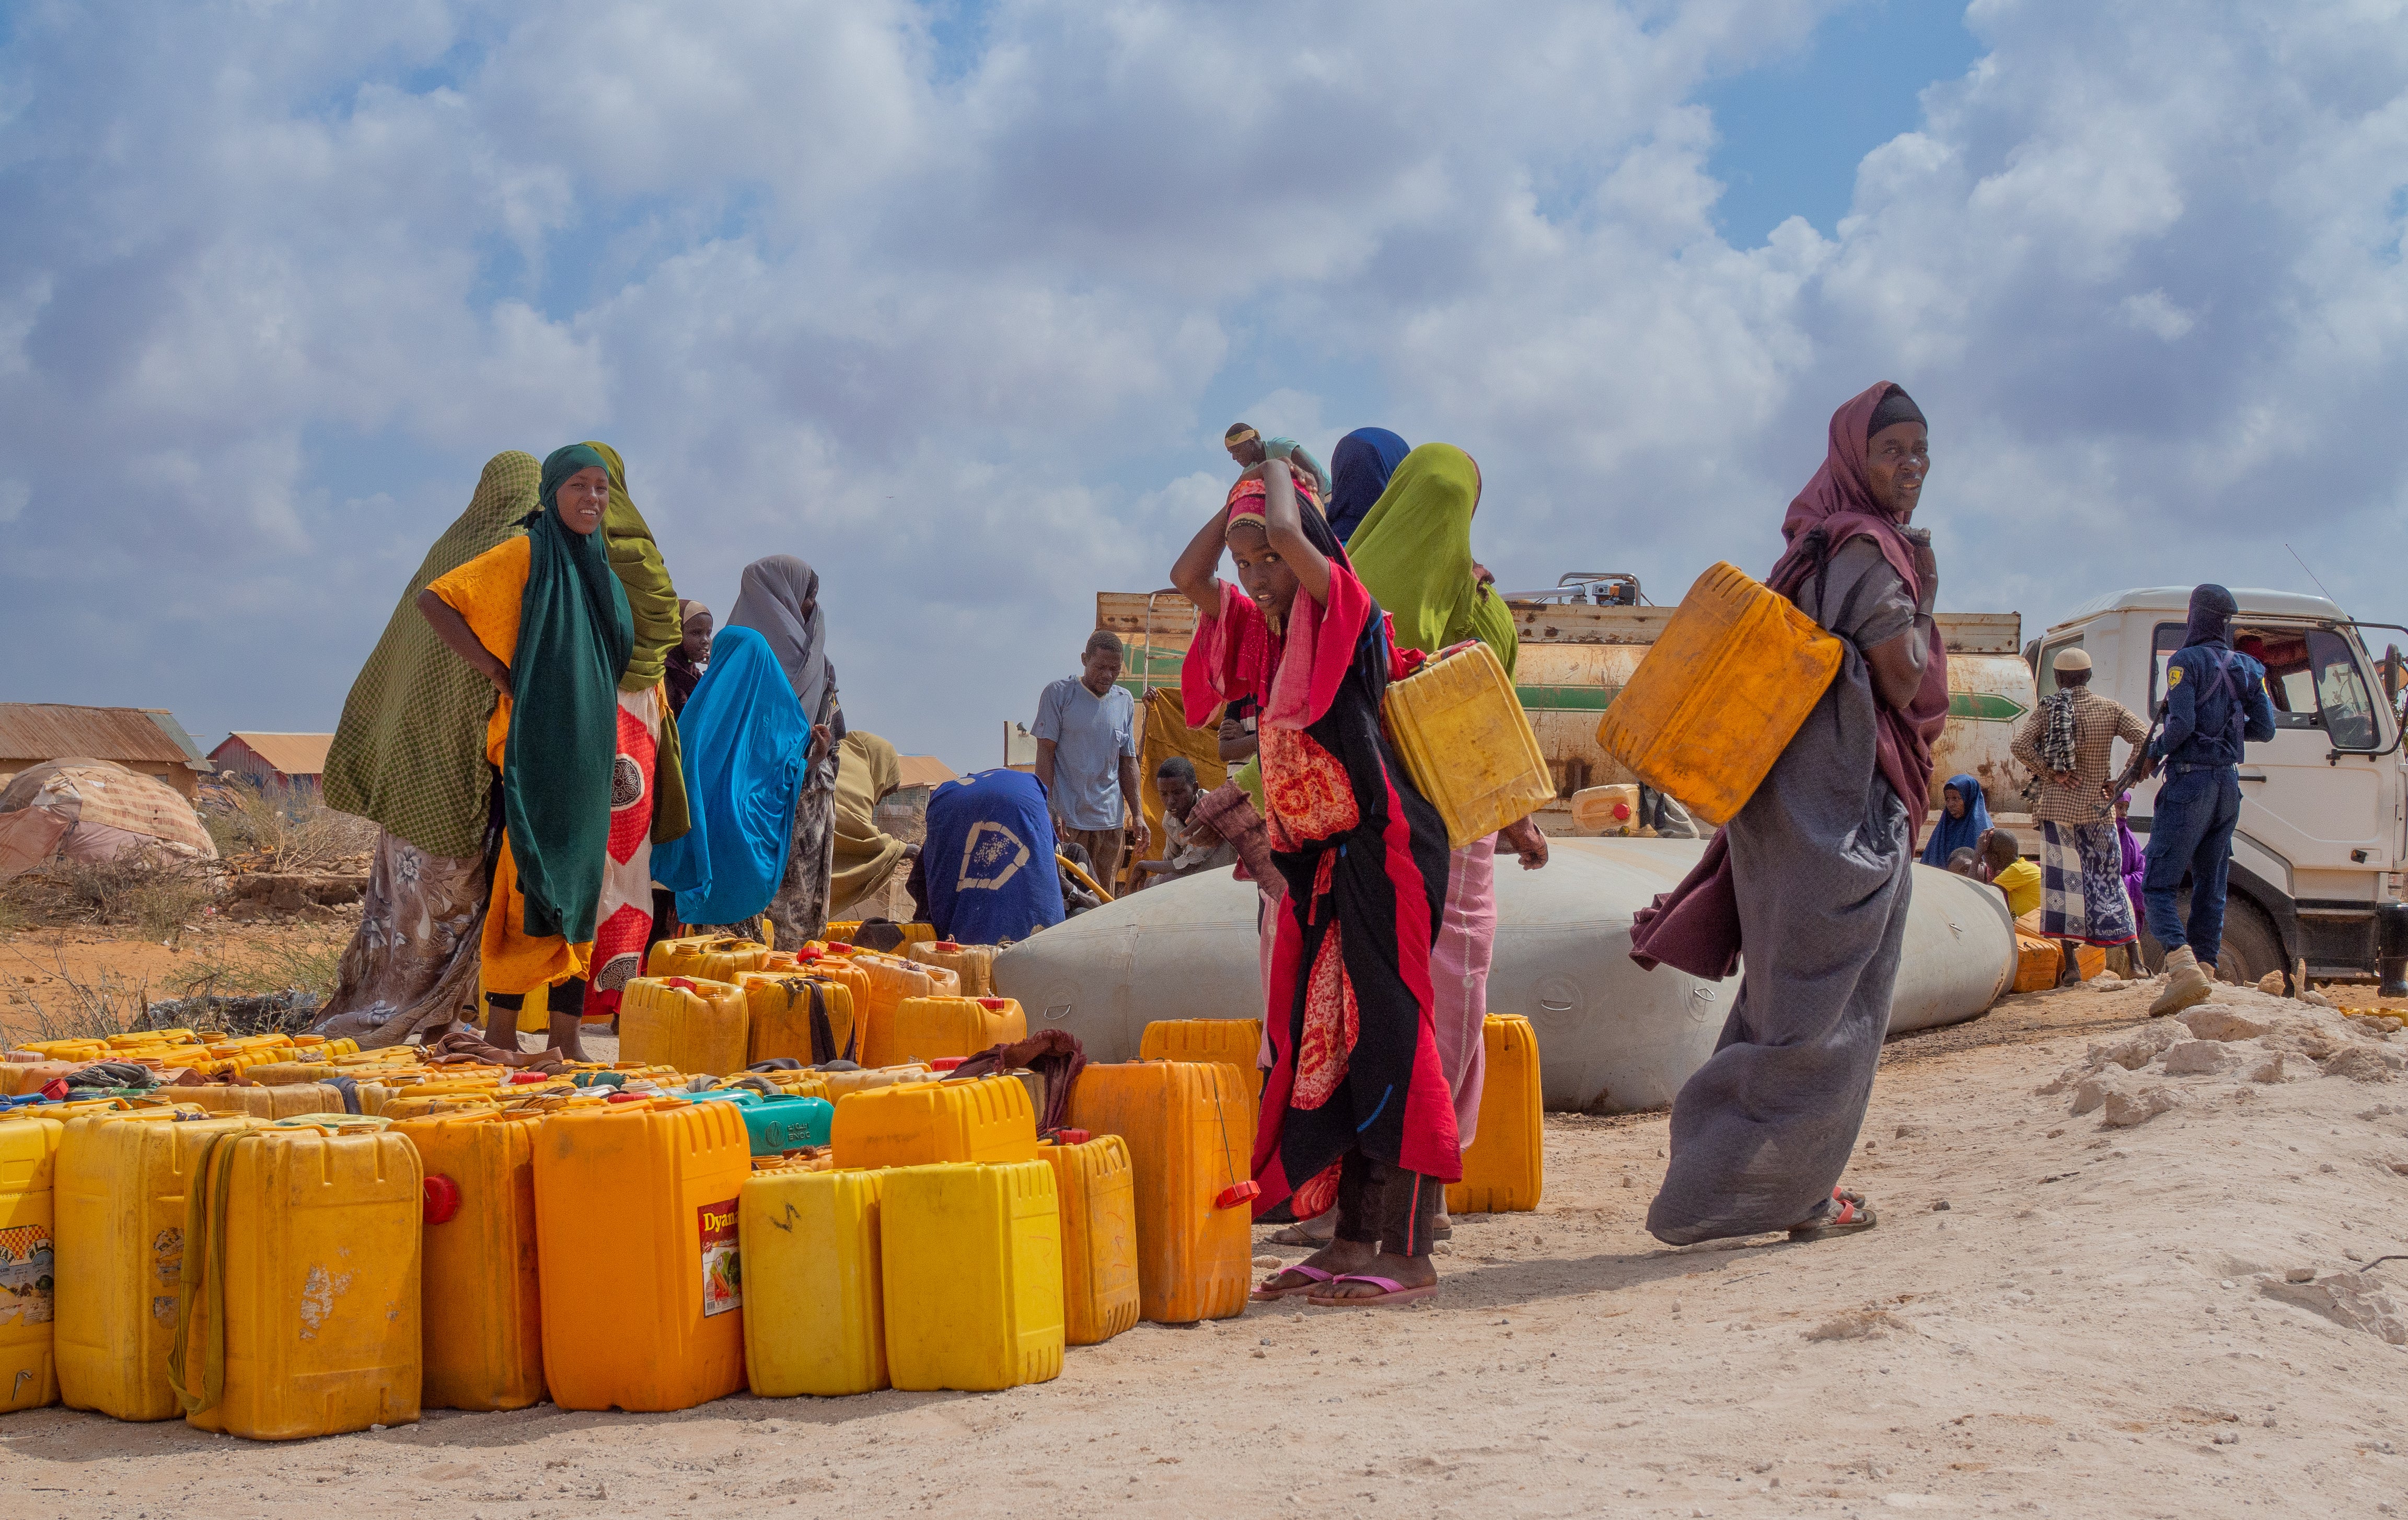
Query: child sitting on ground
1188	849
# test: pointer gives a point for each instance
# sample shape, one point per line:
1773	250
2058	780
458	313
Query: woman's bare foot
1407	1272
1336	1258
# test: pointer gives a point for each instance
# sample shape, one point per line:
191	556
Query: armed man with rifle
2215	698
2067	744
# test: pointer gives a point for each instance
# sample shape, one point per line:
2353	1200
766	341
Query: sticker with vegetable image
722	1267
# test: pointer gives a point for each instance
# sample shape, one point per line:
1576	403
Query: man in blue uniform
2214	698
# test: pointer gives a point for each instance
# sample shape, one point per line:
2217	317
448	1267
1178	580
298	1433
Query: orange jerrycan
972	1261
817	1322
1461	733
483	1346
697	1026
1184	1123
124	1191
931	1029
682	956
1504	1166
973	963
893	979
29	1151
300	1312
799	1014
1096	1188
1721	693
1238	1042
914	1124
636	1230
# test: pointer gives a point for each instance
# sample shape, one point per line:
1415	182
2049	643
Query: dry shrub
153	891
282	832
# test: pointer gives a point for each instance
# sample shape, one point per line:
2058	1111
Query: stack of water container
324	1239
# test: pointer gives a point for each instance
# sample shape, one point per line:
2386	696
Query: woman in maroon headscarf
1811	877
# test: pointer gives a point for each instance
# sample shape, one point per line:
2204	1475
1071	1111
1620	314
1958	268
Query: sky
954	301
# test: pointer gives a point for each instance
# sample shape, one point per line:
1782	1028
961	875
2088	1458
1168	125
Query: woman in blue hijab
1964	818
1359	469
746	748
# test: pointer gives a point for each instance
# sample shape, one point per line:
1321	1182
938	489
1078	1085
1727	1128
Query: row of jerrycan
299	1240
876	1011
989	1248
1503	1166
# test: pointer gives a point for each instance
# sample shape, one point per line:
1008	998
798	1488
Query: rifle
2137	767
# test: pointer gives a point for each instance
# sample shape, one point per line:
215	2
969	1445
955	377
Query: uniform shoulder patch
2174	675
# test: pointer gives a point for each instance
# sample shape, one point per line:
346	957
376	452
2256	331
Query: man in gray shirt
1086	756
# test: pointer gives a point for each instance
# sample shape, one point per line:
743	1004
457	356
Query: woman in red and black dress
1356	1104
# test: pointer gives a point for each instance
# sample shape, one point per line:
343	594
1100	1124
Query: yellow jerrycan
1504	1166
1096	1185
697	1026
932	1028
973	963
1238	1043
29	1151
300	1311
483	1295
971	1257
817	1322
124	1191
893	979
785	1007
1721	694
1185	1126
1460	731
915	1124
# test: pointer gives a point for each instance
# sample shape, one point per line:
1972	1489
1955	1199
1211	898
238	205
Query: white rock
2219	1021
2127	1108
2199	1058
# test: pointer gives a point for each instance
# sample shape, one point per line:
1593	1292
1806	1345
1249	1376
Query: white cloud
276	280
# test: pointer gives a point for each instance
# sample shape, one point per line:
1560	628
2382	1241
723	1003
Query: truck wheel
2251	948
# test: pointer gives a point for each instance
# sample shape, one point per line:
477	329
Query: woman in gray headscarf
780	600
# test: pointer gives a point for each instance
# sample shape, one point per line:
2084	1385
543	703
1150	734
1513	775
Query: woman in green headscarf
1413	552
544	619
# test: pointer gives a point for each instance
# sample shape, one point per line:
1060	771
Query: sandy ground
2058	1314
37	966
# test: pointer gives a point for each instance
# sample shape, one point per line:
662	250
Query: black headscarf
2211	615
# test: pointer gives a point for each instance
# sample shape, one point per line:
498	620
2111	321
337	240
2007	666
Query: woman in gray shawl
1812	878
780	600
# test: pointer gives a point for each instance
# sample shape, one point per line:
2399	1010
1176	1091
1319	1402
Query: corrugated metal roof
53	731
294	754
924	770
193	755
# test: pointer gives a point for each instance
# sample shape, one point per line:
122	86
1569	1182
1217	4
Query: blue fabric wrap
1955	834
1359	469
745	739
989	858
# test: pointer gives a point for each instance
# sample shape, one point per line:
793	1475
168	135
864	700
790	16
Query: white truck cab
2317	857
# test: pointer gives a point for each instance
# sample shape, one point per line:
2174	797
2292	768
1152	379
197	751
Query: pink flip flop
1267	1294
1391	1292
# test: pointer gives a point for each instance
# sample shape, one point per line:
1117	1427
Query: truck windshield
2313	676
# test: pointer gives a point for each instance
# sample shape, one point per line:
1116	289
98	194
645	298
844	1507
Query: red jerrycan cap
1072	1137
442	1198
1621	811
1238	1193
947	946
946	1063
520	1079
623	1097
991	1004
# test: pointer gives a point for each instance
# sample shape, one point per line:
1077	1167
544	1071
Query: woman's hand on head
1524	840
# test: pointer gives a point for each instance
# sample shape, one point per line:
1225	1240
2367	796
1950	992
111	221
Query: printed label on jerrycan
27	1275
722	1267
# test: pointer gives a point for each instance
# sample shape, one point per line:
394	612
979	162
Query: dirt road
2053	1317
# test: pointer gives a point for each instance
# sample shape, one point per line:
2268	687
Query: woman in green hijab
1413	552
